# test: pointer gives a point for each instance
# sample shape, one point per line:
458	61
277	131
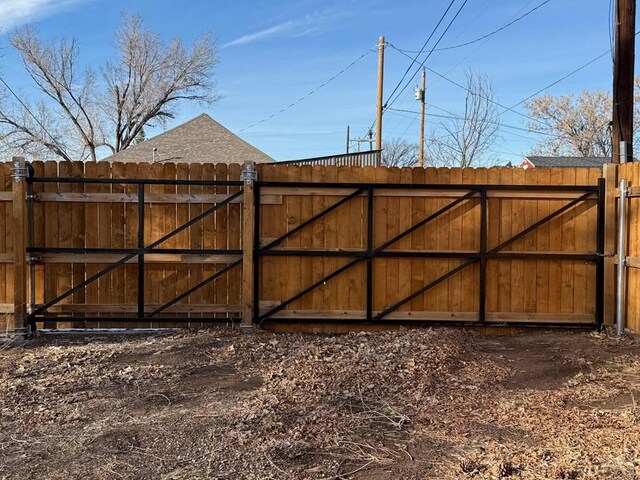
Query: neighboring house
567	162
199	140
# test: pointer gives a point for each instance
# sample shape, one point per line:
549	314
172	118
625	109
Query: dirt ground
415	404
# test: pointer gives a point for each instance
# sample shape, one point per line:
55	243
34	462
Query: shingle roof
568	161
199	140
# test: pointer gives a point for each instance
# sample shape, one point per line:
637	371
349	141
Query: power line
24	105
304	97
457	117
427	57
419	52
498	30
581	67
474	93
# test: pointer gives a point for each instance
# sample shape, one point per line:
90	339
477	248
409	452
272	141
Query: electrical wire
498	30
25	106
419	52
304	97
573	72
391	101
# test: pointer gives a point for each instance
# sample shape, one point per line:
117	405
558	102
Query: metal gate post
622	259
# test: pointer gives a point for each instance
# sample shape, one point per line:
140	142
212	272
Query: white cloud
17	12
299	27
276	30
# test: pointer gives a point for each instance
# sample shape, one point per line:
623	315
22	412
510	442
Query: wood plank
183	269
506	231
154	229
64	272
381	212
19	228
455	242
430	233
393	229
248	244
441	291
103	221
220	286
507	317
171	198
404	222
543	235
493	239
117	308
530	285
130	210
568	243
169	213
78	235
417	241
51	239
234	232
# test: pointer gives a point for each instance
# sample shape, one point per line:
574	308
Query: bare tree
398	152
574	125
470	135
578	125
82	111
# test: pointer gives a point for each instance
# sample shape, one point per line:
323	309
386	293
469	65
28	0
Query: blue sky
274	52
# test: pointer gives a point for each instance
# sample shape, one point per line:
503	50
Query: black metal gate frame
589	192
40	311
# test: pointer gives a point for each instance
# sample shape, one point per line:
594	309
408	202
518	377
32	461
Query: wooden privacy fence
139	245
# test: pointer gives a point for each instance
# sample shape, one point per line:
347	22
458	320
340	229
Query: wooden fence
105	216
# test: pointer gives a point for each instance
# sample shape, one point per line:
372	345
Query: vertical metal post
31	263
369	253
256	254
482	315
622	259
140	248
600	252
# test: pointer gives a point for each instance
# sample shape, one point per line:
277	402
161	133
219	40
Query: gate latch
19	171
248	174
32	259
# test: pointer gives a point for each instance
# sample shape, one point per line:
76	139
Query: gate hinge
32	259
19	171
249	174
33	196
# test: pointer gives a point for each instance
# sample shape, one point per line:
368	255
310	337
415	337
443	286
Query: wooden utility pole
380	93
422	92
623	61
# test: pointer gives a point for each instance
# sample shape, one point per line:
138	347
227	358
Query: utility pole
380	93
420	96
348	139
623	61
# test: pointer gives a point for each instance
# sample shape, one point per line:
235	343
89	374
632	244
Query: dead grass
408	404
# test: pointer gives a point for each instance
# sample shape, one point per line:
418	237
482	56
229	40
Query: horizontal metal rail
432	186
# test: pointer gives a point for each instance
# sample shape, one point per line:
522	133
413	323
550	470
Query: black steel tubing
483	257
432	186
369	291
140	246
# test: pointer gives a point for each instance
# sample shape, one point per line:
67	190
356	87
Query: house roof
199	140
568	161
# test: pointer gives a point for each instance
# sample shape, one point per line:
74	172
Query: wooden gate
148	245
431	248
